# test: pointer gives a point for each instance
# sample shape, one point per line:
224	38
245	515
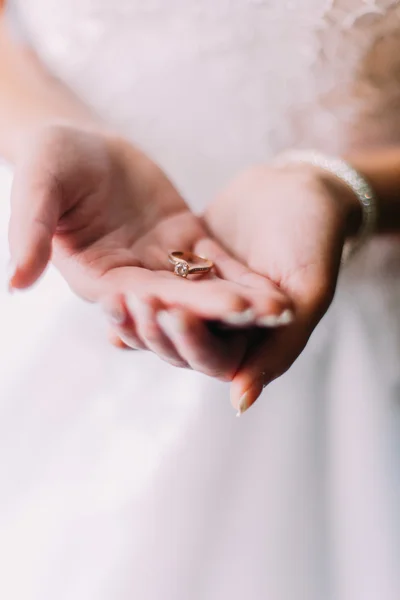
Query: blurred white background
20	327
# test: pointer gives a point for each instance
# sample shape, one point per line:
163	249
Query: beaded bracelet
353	179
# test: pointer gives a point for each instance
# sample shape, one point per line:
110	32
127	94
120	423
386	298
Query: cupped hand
108	216
287	225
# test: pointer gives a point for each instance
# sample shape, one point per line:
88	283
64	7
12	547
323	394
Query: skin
107	216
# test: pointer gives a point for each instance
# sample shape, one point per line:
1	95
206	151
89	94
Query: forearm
30	98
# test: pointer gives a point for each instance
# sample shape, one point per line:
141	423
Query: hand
289	226
108	216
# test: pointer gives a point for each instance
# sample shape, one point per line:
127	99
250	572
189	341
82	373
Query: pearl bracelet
353	179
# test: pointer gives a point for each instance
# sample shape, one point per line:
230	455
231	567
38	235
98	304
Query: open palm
288	225
109	216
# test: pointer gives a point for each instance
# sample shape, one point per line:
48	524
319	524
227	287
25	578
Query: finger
203	351
144	314
211	300
312	290
116	341
35	210
272	355
123	326
228	267
271	305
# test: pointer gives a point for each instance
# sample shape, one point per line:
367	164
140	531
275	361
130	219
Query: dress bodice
209	86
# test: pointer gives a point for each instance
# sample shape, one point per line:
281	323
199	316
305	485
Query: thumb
35	210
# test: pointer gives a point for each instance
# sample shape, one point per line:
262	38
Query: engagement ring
187	263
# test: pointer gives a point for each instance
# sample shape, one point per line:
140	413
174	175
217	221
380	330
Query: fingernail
285	318
244	317
251	395
244	404
170	322
11	269
115	315
129	341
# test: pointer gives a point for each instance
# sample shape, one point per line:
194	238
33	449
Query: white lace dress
121	477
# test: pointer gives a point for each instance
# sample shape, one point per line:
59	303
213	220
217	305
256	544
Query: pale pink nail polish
130	341
243	404
243	318
285	318
250	396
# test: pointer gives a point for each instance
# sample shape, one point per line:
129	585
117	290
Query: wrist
346	201
30	137
340	175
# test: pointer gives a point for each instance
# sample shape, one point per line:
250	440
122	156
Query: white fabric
121	477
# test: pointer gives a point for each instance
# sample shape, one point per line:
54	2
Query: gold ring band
187	263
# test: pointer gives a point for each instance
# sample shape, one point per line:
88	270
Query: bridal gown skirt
122	477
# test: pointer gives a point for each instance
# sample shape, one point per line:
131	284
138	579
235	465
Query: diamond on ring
186	263
182	269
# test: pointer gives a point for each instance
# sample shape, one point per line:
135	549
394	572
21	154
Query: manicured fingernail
116	315
11	269
285	318
130	341
251	395
170	322
240	318
244	404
